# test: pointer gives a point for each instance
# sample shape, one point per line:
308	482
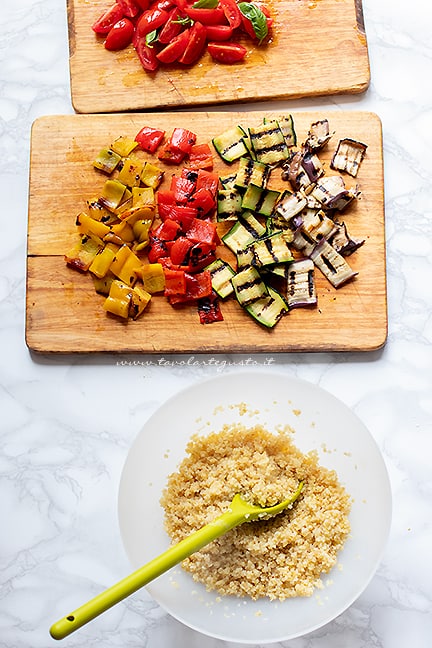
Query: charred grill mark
311	286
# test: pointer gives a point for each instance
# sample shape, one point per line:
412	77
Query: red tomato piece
227	52
180	250
205	16
201	157
146	54
175	282
232	12
219	32
172	27
196	44
175	48
143	4
129	7
150	20
120	35
107	20
149	138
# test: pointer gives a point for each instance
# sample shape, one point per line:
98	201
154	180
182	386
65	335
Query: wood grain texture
63	312
318	48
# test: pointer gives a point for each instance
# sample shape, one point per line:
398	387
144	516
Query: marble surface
64	439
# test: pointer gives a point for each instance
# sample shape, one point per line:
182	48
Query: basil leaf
257	18
151	38
205	4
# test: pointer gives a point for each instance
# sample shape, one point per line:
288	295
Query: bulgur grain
278	558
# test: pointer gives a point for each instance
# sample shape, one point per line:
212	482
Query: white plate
321	422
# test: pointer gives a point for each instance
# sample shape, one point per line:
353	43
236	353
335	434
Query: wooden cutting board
63	312
318	48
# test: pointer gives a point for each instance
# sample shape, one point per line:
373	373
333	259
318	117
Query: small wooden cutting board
65	315
318	47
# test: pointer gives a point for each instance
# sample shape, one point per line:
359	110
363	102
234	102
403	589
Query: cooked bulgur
277	558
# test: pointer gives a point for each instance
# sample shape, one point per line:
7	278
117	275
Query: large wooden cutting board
64	314
318	48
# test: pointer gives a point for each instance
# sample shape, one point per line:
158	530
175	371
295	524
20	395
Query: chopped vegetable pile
138	239
164	32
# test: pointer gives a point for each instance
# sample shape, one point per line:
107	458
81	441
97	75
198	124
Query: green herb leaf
256	17
205	4
151	38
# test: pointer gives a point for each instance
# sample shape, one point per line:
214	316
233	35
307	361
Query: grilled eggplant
348	157
331	192
332	264
318	135
342	242
301	284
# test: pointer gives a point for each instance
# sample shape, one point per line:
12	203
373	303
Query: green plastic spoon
239	511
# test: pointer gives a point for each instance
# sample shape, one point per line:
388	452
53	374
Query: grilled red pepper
149	138
209	309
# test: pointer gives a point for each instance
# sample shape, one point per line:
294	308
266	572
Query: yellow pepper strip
125	265
91	227
140	299
121	231
98	211
124	145
102	261
112	194
151	175
141	229
103	285
153	277
143	197
130	173
107	160
81	256
119	299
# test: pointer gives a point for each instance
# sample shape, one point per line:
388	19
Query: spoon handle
145	574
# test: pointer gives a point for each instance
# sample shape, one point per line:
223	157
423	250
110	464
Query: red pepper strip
129	8
157	249
180	250
172	52
165	202
202	231
175	283
232	12
169	154
107	20
184	216
195	46
208	180
197	286
209	309
205	16
146	54
201	157
167	231
149	138
203	200
182	188
172	27
183	139
200	256
150	20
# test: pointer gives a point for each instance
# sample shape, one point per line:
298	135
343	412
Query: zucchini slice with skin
252	172
269	309
229	204
221	275
248	286
271	250
268	143
261	201
238	237
230	144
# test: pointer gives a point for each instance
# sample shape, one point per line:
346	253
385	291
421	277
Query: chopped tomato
107	20
204	16
201	157
146	54
232	12
172	27
143	4
150	20
149	138
227	52
196	44
172	52
129	7
219	32
120	35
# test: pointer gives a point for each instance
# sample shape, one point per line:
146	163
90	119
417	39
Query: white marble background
63	439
